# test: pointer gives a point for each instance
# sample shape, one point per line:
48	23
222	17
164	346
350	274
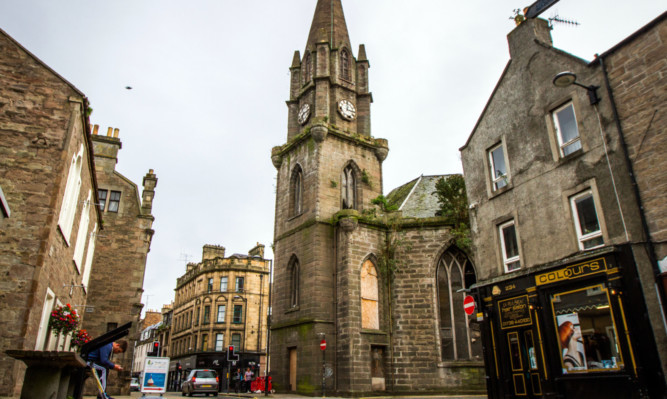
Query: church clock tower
329	170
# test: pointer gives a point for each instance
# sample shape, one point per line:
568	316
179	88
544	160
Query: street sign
469	305
323	345
155	375
538	7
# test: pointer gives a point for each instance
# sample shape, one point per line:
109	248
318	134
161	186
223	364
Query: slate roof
416	198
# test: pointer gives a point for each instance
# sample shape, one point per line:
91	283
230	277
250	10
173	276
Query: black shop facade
572	329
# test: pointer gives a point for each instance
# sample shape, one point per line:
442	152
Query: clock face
304	113
347	110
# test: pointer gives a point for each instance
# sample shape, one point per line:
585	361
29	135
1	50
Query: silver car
201	381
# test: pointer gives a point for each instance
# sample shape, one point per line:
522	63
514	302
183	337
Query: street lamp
567	78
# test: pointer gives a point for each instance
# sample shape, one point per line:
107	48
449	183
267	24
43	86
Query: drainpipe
635	188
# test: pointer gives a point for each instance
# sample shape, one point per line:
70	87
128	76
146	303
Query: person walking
247	379
100	361
238	380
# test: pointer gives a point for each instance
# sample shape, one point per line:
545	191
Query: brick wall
121	250
638	77
42	125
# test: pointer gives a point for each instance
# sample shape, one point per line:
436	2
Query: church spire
328	25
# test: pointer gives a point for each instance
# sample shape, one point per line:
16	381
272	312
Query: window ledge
461	363
501	191
296	216
563	159
372	331
292	309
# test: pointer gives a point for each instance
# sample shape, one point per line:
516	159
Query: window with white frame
44	332
239	284
223	284
509	246
88	264
499	173
565	123
219	342
586	221
81	236
70	198
222	310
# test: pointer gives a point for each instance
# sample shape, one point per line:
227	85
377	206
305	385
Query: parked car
134	385
201	381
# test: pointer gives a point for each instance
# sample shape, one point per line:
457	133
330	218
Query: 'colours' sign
572	272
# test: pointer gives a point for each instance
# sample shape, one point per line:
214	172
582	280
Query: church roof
416	198
328	25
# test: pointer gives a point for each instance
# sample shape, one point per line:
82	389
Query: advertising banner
155	375
571	342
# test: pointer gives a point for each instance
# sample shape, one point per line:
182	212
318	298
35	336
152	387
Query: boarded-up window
369	296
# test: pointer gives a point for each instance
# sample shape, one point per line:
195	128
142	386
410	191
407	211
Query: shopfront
573	330
180	367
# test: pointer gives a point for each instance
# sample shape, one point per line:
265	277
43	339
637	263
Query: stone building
146	345
384	291
164	332
49	220
220	302
567	205
120	252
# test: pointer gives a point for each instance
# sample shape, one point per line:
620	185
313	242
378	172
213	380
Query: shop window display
586	330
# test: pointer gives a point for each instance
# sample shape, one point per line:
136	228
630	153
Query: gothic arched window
370	315
348	188
308	68
345	64
296	191
294	282
459	340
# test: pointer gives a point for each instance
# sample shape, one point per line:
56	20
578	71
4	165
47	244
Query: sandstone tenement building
565	178
220	301
49	218
116	284
384	291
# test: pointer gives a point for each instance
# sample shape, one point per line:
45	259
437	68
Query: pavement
224	395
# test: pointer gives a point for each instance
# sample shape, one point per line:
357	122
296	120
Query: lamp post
268	332
567	78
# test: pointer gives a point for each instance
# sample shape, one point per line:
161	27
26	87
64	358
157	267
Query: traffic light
231	356
155	351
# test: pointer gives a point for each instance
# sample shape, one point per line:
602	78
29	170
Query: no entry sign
323	345
469	305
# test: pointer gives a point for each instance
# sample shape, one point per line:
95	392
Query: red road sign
323	345
469	305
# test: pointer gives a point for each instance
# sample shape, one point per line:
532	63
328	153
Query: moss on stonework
304	386
304	330
311	144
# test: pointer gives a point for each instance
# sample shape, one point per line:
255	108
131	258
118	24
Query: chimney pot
95	129
115	132
109	131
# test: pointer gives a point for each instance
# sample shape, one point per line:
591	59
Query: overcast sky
210	78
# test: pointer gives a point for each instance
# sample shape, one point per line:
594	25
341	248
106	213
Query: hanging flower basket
63	319
80	338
